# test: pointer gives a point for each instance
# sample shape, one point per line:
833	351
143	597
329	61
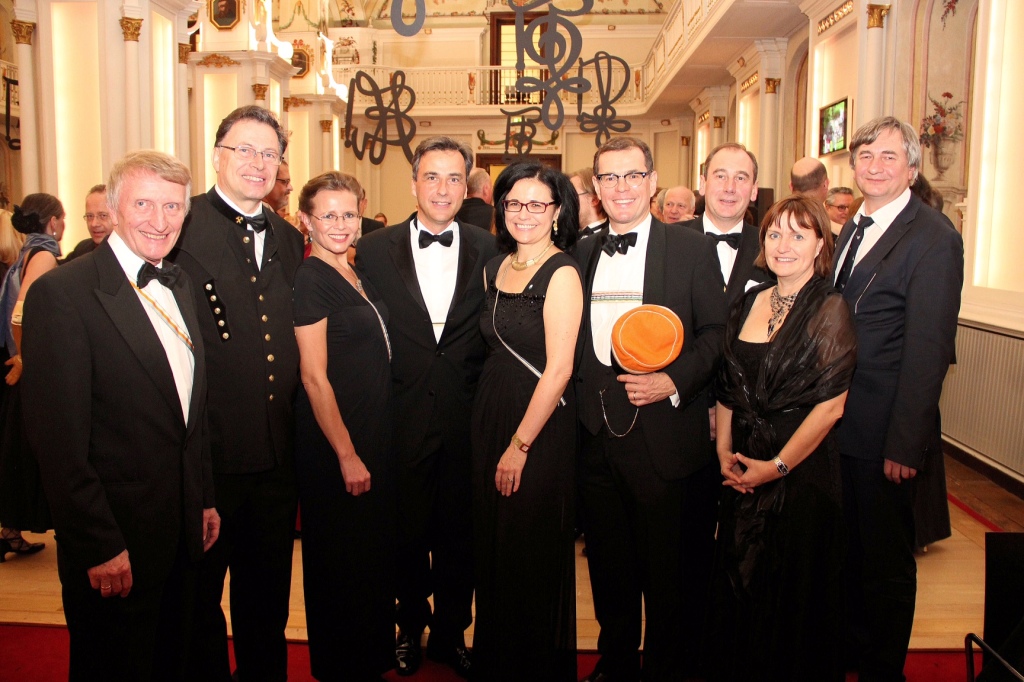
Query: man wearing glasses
97	219
242	258
429	271
837	205
644	437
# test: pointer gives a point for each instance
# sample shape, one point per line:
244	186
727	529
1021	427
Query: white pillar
768	153
182	134
872	81
327	153
27	106
131	27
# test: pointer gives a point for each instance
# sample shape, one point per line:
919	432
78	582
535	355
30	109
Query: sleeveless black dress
524	545
348	543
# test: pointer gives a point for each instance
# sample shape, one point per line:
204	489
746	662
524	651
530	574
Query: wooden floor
951	582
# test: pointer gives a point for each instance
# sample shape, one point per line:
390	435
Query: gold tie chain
182	334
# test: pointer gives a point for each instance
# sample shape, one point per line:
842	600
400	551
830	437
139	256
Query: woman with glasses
40	217
524	438
342	445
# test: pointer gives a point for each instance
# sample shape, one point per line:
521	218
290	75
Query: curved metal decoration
410	29
603	120
395	113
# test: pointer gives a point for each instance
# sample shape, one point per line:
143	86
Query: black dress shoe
408	654
597	676
458	658
18	545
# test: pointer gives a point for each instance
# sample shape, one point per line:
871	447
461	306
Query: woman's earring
554	225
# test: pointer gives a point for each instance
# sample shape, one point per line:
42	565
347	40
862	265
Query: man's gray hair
830	198
870	131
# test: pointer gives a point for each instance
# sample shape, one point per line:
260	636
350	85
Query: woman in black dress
343	453
789	357
22	502
524	435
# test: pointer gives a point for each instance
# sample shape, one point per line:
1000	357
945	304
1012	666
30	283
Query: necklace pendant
520	266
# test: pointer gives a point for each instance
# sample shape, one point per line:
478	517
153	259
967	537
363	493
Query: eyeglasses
270	157
330	219
89	217
611	180
513	206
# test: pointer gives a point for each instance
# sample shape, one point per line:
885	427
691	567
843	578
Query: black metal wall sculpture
412	28
603	121
393	124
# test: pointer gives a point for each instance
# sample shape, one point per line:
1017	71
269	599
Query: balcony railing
491	86
9	72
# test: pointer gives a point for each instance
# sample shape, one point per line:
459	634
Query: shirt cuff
675	399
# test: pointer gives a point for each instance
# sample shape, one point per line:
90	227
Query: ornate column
327	153
717	130
718	99
181	137
768	153
687	162
259	90
27	106
130	27
872	81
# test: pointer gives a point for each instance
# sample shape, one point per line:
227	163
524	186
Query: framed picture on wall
302	57
224	13
833	127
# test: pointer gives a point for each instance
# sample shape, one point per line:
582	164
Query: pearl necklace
519	266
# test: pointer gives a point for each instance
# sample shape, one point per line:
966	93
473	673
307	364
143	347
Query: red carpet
40	654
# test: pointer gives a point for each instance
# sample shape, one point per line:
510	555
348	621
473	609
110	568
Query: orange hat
647	339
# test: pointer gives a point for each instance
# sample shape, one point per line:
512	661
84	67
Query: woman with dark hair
22	504
524	438
789	358
343	455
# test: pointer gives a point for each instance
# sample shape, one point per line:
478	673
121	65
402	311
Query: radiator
983	398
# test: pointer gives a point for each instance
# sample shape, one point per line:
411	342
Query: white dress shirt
883	218
726	254
437	268
179	355
258	238
618	288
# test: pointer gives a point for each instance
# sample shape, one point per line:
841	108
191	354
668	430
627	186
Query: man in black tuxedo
899	264
367	225
729	185
478	208
429	271
115	409
97	219
644	437
243	257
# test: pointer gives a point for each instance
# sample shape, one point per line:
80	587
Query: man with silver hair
837	205
899	264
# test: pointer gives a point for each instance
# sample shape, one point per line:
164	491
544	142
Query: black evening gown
778	591
348	543
524	545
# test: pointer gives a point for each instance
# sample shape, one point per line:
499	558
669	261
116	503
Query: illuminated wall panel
77	109
164	60
220	98
298	148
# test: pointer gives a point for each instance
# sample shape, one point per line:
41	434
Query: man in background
478	208
679	204
97	219
592	214
809	177
837	205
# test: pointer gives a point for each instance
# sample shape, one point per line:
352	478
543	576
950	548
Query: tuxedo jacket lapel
869	263
654	269
122	304
401	254
743	268
468	254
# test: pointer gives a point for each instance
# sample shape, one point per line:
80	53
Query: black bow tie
167	275
444	239
257	222
733	239
618	242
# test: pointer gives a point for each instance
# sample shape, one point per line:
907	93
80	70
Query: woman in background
343	455
789	359
22	503
524	435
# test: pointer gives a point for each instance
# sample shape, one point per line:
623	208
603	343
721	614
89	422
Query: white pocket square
750	285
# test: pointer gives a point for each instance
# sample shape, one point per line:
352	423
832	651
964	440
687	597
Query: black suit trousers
257	537
881	573
435	553
144	636
634	551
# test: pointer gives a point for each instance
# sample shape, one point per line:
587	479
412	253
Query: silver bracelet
781	466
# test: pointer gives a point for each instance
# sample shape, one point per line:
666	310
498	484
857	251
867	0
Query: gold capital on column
684	141
131	27
771	85
719	121
184	50
260	90
876	15
22	31
326	125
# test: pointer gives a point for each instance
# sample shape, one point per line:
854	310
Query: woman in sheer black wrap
789	358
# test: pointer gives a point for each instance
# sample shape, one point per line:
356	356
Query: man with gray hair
120	433
900	266
837	205
809	177
679	203
429	271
